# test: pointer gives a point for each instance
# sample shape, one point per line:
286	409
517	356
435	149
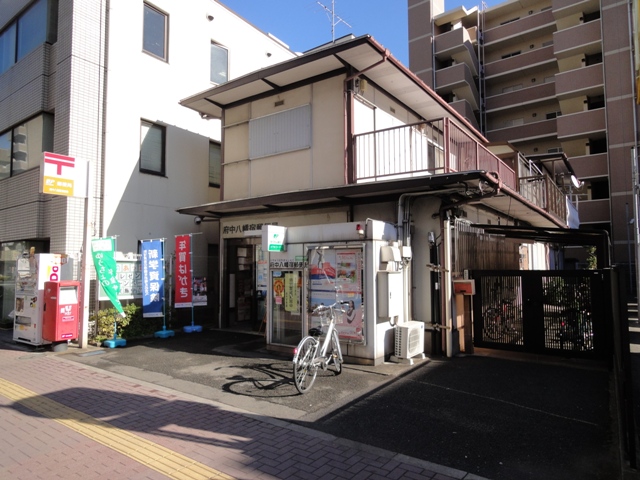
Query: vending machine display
32	271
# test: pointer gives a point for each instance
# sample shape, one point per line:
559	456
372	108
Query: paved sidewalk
62	419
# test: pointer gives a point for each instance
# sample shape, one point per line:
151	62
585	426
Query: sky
305	24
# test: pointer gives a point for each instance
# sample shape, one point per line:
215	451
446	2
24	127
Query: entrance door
286	307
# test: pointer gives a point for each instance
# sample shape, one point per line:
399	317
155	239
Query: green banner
103	250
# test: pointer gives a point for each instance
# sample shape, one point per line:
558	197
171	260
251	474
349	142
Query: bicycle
501	319
311	354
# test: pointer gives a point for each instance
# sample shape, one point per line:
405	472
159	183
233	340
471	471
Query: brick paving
227	440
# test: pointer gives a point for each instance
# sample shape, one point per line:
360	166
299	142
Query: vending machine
32	271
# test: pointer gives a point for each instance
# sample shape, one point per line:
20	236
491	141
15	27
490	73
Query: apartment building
550	77
101	81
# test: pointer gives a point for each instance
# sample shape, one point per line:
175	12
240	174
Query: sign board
273	238
464	287
62	175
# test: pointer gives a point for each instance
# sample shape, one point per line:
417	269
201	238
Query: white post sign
62	175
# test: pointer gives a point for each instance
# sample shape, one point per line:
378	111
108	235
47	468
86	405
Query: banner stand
184	279
153	277
115	342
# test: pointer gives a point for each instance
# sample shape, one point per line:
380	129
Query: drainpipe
447	283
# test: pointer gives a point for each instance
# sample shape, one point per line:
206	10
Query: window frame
221	48
165	33
163	153
219	166
45	143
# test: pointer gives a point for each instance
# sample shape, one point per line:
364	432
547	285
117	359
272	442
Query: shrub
133	325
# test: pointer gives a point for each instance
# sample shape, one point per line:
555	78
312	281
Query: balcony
581	124
581	39
441	147
458	44
458	80
422	149
518	64
565	8
543	192
530	26
523	131
586	81
524	96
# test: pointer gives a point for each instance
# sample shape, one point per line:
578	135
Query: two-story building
351	152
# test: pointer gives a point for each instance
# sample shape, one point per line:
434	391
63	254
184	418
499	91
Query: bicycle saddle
315	331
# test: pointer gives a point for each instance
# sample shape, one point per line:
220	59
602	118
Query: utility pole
332	16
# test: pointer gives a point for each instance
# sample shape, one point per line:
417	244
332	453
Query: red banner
183	288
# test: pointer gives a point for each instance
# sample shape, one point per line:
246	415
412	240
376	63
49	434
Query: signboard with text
63	175
184	281
152	263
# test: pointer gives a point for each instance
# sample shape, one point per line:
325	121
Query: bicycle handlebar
320	309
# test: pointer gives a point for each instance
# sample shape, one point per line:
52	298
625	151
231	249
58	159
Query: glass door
286	307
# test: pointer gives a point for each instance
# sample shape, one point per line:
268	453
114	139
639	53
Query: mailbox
60	317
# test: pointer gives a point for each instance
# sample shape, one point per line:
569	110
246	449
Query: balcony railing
425	148
543	192
440	147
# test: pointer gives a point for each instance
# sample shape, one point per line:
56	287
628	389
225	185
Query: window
154	39
33	27
280	132
152	148
219	64
21	147
215	159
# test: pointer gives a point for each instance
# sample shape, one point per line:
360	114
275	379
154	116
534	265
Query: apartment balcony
583	39
581	82
541	190
464	108
581	124
519	64
458	79
519	98
458	44
523	29
524	131
441	147
586	166
595	211
422	149
564	8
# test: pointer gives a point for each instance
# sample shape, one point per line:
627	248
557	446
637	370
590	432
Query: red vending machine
61	311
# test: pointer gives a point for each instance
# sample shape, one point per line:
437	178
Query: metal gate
546	312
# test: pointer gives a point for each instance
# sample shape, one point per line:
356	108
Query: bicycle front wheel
304	368
336	353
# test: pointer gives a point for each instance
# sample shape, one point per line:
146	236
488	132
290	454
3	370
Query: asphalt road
495	417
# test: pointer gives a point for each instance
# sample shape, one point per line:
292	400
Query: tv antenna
335	19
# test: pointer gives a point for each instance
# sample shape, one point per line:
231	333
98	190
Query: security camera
209	17
197	220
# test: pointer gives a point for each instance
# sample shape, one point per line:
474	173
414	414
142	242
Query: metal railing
424	148
542	191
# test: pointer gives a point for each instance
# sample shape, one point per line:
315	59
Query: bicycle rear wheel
336	353
304	368
492	324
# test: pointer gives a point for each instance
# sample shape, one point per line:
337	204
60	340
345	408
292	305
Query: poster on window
338	277
199	291
291	293
183	285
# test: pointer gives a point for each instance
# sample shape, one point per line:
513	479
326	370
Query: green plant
592	258
132	325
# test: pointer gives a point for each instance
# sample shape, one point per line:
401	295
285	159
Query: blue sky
304	24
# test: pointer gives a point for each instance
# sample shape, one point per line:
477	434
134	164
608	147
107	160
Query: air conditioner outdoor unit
409	340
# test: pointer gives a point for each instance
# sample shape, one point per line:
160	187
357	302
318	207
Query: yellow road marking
157	457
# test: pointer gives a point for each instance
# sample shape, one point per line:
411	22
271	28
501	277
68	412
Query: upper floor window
152	148
21	147
34	26
280	132
215	159
154	37
219	63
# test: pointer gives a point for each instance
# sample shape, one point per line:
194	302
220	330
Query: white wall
139	206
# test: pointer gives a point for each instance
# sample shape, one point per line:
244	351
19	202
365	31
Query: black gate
545	312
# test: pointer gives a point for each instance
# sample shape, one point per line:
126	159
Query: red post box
60	318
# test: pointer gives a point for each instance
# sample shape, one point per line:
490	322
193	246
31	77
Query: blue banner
152	278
